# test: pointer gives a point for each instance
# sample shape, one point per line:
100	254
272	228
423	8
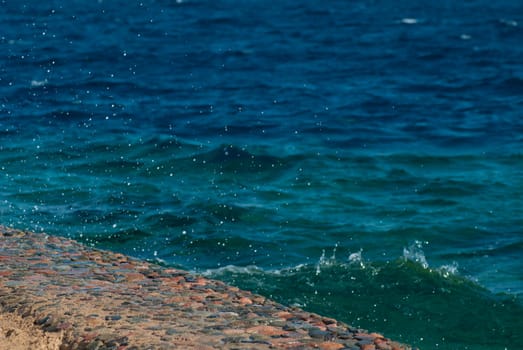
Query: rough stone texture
77	297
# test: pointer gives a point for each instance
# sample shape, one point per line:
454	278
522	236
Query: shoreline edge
57	294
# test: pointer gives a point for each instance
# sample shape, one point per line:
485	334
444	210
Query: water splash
414	252
323	261
448	270
357	259
320	262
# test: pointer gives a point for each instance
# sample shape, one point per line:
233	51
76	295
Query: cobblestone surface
104	300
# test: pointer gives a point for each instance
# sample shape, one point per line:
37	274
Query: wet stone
318	333
51	328
368	347
122	341
364	336
351	347
383	346
105	337
278	323
289	327
345	335
171	331
350	343
161	318
327	320
365	342
44	320
255	341
258	338
62	267
96	345
237	339
113	317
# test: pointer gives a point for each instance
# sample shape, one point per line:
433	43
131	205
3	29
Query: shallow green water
432	309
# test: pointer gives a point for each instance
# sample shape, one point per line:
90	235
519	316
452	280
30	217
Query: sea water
360	159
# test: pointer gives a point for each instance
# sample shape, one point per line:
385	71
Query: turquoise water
358	160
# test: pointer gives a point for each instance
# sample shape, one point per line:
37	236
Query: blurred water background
361	159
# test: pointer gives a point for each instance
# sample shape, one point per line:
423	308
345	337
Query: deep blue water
361	159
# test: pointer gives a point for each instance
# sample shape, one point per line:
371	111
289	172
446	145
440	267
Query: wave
412	254
400	298
232	156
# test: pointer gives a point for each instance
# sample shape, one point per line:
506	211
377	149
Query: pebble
318	333
266	330
368	347
245	301
134	276
171	331
330	346
289	327
43	321
382	345
113	318
328	321
365	342
62	267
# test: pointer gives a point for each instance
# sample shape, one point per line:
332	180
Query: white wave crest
249	269
414	252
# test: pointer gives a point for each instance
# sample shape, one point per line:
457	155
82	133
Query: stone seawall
56	293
